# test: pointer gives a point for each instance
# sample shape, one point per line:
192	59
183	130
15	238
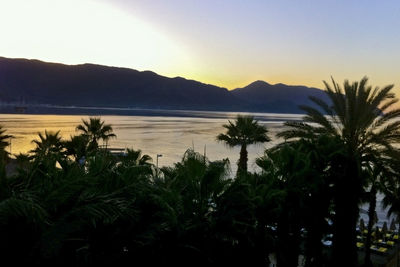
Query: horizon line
147	70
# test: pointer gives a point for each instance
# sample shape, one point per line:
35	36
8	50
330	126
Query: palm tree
48	145
373	175
21	216
135	163
48	152
301	179
4	140
391	201
191	190
244	131
77	146
363	118
288	168
136	158
95	129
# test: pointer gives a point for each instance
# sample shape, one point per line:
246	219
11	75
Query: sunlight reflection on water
169	135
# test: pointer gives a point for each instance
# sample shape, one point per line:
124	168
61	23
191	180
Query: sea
168	133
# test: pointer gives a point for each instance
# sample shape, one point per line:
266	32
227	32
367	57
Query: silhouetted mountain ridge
93	85
278	96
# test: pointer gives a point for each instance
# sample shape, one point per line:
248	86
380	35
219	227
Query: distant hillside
285	98
95	85
89	85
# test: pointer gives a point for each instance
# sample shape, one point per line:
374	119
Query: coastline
124	111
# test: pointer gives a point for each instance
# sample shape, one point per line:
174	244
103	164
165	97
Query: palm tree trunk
288	235
314	247
242	163
261	247
282	240
371	215
3	176
347	194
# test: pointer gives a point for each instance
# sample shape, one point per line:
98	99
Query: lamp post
11	137
158	156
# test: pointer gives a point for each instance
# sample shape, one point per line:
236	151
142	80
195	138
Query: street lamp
158	156
11	137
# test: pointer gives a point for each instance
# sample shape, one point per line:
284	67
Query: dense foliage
73	203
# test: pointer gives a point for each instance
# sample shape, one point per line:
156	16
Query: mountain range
88	85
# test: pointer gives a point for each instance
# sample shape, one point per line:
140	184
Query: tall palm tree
391	190
379	174
391	201
244	131
95	129
363	118
288	167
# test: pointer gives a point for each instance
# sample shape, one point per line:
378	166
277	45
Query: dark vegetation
88	85
73	203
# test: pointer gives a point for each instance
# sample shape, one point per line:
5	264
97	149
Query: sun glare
79	31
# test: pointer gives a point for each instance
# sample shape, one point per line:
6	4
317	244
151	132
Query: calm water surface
170	135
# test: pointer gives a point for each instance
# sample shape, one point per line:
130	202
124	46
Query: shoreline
153	112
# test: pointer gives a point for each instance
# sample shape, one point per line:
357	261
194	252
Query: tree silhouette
363	118
244	131
77	146
95	129
4	142
48	147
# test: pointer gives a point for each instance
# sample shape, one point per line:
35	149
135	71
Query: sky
229	43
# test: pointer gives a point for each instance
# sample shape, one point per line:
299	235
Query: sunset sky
229	43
